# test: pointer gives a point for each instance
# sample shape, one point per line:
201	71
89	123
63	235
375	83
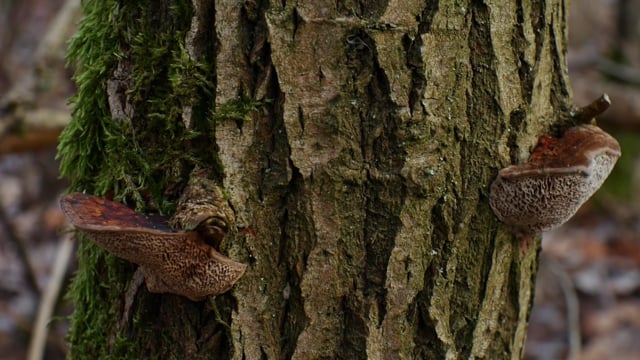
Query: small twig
21	251
129	296
589	112
49	299
624	114
216	313
573	309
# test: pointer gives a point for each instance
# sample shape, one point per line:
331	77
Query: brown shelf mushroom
172	261
561	174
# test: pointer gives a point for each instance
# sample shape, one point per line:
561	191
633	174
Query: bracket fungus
561	174
172	261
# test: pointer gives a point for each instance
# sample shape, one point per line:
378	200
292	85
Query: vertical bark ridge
331	173
299	239
446	71
542	73
561	90
493	329
522	37
413	47
538	22
383	118
261	184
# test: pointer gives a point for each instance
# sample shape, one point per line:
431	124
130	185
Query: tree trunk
360	187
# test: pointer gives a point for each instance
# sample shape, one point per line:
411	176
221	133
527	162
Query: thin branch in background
573	309
21	251
49	299
621	72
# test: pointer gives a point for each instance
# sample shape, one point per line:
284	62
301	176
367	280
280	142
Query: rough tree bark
360	187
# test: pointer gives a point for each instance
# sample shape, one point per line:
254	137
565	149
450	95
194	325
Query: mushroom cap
561	174
89	212
181	260
574	152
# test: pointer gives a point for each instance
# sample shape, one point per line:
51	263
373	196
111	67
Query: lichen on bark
395	126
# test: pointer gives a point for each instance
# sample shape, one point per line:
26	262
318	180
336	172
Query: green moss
103	156
93	316
238	110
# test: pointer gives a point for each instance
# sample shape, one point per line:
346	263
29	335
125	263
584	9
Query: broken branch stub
561	174
172	261
203	208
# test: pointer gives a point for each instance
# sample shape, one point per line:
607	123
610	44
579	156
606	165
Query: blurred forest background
588	290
